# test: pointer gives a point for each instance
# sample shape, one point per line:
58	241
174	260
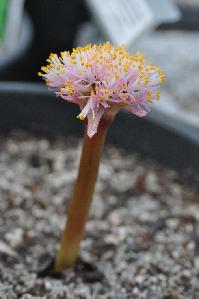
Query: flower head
103	79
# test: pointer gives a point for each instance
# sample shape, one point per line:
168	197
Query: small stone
114	218
196	262
28	296
140	279
15	237
172	223
186	273
59	292
151	182
6	249
48	285
136	291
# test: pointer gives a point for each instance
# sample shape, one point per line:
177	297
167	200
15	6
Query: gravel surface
142	237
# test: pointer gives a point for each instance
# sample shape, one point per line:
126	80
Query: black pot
189	19
54	23
32	107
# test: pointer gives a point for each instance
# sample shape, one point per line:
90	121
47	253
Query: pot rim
157	136
155	116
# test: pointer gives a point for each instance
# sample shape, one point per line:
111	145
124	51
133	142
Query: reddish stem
82	196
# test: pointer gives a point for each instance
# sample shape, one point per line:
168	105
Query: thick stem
82	196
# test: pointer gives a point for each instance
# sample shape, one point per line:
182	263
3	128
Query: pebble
15	237
6	249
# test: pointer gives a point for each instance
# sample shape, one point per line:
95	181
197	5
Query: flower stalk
82	196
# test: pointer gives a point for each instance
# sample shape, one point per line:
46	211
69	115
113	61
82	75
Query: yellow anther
150	101
146	80
81	117
44	68
141	75
158	95
140	67
88	64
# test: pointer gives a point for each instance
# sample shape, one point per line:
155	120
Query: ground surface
142	238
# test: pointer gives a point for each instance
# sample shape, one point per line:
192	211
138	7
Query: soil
142	236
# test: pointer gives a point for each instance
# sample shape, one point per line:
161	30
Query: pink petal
94	122
85	110
137	111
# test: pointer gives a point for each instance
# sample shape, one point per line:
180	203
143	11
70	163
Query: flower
103	79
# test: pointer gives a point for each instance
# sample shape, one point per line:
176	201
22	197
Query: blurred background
31	29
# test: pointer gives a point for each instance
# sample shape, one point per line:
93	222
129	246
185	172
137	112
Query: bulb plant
101	79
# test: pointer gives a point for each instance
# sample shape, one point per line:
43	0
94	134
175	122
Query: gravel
142	237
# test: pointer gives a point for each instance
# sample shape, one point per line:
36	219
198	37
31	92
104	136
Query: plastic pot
32	107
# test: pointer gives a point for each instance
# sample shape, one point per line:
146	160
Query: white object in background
13	25
123	21
164	11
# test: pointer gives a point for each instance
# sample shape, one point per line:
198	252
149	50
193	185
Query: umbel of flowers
101	79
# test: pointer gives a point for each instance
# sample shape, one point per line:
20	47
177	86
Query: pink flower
103	79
